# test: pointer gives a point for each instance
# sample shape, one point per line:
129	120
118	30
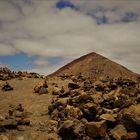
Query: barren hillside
94	66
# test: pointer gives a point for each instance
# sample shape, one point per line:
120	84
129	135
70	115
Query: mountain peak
94	65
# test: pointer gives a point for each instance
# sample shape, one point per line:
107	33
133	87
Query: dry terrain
91	98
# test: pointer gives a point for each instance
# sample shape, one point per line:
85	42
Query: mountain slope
94	66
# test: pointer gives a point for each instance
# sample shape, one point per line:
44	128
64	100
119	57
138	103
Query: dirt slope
35	105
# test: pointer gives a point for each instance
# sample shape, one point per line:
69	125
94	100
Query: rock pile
15	119
106	109
6	87
41	88
7	74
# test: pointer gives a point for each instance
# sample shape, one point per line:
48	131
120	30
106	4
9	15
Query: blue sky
42	36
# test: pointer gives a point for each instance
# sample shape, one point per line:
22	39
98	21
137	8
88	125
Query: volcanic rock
73	86
94	66
9	124
71	130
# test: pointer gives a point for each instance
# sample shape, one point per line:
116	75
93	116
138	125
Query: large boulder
130	117
119	132
71	130
95	129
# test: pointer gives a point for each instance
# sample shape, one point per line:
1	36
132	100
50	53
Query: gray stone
43	90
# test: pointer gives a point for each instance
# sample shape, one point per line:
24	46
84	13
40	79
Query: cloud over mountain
68	29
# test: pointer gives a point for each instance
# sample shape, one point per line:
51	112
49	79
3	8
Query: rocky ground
69	108
106	109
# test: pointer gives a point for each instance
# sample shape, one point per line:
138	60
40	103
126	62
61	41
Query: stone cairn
15	119
7	74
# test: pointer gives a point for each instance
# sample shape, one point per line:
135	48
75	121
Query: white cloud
42	62
8	12
114	10
46	32
7	50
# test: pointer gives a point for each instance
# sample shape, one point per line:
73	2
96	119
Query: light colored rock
2	118
37	87
3	137
20	138
63	101
108	117
43	90
131	136
73	112
24	121
119	132
56	91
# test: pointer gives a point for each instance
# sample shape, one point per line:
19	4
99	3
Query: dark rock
71	130
6	87
65	94
80	99
88	85
89	111
45	84
122	103
112	86
125	82
9	124
99	87
20	108
2	128
59	104
73	86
